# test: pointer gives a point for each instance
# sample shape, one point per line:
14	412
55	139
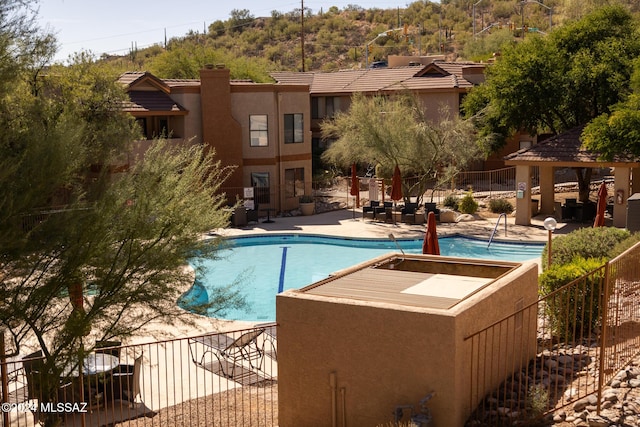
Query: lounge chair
270	343
239	359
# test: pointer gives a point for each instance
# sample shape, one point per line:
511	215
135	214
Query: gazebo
566	151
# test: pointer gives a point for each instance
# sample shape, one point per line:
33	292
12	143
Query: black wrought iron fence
221	379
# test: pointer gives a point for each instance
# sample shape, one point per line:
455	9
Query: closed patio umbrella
602	205
430	244
355	188
396	187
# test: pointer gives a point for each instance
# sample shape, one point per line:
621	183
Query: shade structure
430	244
396	185
602	205
355	183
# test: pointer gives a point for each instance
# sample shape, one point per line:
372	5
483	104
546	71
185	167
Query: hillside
336	39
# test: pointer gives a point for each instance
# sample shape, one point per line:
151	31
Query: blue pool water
268	265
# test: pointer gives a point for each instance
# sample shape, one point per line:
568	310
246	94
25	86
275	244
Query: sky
115	26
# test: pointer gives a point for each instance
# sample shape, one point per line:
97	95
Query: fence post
604	306
4	378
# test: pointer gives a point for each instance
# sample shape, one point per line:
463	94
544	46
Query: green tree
617	133
555	83
390	131
75	213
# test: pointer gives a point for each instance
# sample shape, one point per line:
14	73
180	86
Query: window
258	130
260	183
294	182
525	144
315	108
329	106
155	127
293	128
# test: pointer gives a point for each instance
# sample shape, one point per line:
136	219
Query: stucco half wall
352	360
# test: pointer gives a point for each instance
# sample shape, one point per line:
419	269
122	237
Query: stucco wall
365	359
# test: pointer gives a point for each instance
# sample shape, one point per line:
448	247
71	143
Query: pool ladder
496	228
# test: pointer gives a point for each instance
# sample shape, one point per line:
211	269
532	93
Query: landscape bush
573	312
451	202
500	206
624	245
468	204
588	242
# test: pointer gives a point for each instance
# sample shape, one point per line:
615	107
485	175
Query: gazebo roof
565	150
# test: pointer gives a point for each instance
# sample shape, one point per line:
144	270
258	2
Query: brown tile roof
439	75
564	149
132	78
181	82
147	101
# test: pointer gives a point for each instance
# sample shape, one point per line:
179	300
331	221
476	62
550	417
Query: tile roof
131	78
438	75
147	101
564	149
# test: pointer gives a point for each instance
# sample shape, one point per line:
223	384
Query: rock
597	421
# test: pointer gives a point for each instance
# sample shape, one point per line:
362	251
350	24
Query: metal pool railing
221	379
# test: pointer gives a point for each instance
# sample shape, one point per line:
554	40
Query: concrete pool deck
343	224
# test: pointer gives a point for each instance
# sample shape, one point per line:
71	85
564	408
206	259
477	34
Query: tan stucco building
261	129
356	348
439	84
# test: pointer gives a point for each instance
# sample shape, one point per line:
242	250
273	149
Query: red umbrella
355	182
602	205
396	185
355	188
76	295
430	244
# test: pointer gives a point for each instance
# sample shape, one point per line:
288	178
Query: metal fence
573	341
222	379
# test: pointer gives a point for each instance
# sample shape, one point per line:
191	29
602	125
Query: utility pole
302	30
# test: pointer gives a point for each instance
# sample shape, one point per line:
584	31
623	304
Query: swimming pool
268	265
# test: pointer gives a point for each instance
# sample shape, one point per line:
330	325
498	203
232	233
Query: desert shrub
573	311
500	206
468	204
586	242
451	202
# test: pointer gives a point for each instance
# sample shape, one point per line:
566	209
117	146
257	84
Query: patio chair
408	213
252	214
381	212
34	366
431	207
125	382
369	211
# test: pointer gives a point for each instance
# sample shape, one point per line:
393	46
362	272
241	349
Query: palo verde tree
552	84
388	131
77	214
